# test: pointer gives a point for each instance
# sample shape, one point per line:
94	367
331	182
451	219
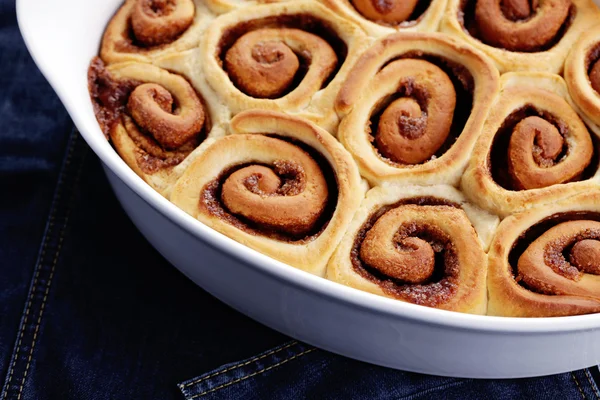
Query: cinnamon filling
413	262
292	200
392	12
585	255
593	67
165	129
426	115
517	25
568	243
109	97
595	77
269	57
533	144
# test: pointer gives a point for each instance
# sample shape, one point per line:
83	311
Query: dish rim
390	308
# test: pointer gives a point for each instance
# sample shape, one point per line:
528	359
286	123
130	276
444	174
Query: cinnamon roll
142	30
379	18
413	106
154	118
520	35
279	184
423	245
582	74
289	56
534	147
546	262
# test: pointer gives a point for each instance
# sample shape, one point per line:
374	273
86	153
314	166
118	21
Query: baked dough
379	18
581	65
557	31
308	53
278	184
547	274
175	31
534	148
158	138
420	244
427	82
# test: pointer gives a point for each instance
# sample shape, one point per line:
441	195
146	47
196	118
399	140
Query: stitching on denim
253	374
27	310
578	386
42	308
52	269
435	389
241	364
592	384
49	230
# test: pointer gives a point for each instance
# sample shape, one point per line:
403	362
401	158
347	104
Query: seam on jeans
51	221
578	386
591	381
43	307
253	374
242	364
52	270
435	389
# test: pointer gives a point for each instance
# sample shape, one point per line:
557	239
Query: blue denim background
88	310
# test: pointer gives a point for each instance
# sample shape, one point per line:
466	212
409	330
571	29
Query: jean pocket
296	370
242	379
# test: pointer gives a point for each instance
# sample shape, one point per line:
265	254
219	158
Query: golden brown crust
577	75
174	32
380	21
284	155
550	57
310	96
555	294
526	95
145	135
394	236
224	6
368	87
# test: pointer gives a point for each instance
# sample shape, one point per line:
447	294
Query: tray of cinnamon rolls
443	153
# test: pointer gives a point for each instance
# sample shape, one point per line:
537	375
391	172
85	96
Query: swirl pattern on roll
145	30
521	35
288	195
539	154
278	184
414	127
157	22
521	25
413	252
152	116
534	147
548	264
265	63
411	115
419	245
289	56
571	250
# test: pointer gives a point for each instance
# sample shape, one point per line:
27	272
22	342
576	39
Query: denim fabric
89	310
295	370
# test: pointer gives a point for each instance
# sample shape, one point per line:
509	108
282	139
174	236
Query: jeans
89	310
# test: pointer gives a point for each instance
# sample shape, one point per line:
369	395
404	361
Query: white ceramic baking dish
64	35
